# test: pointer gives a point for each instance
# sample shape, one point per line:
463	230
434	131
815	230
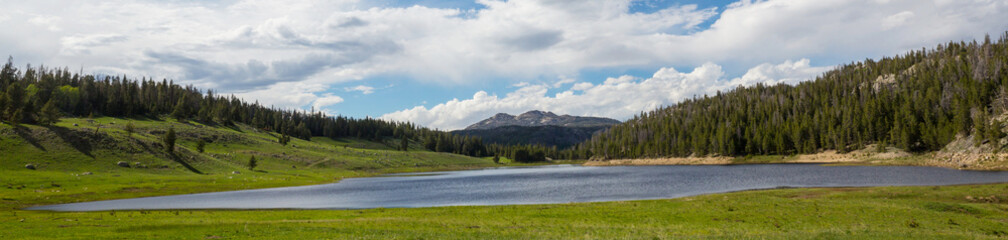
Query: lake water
547	184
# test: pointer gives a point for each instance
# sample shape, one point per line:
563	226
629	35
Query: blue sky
449	63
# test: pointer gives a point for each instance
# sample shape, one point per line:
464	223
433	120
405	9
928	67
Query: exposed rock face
539	118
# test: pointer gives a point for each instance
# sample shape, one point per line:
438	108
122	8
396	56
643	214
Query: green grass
63	153
952	212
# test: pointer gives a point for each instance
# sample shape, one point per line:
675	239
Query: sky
450	63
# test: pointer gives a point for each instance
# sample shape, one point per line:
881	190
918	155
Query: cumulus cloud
327	100
361	88
81	44
251	47
618	97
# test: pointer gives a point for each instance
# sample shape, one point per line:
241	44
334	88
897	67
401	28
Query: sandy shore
824	157
966	161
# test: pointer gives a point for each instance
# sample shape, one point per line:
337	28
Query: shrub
169	140
200	145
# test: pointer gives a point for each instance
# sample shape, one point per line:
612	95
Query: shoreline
973	162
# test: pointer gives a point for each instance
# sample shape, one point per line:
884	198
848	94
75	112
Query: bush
200	145
169	140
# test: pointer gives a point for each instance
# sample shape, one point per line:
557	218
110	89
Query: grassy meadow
79	163
948	212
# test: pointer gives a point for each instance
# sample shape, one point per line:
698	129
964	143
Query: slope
918	102
77	159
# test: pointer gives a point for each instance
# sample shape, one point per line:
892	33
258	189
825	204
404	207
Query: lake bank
958	160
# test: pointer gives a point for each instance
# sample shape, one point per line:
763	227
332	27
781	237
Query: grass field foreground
948	212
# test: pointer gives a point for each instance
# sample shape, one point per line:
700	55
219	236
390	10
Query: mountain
548	135
539	118
920	101
537	128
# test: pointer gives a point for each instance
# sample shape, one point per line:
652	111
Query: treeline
919	101
41	95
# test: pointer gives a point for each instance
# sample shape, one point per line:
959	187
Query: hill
919	102
41	96
536	118
78	159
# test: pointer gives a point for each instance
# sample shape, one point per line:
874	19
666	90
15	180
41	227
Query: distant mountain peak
541	118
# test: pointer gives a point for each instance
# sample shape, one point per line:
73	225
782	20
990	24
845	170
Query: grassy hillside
79	163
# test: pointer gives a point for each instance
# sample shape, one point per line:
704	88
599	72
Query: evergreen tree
181	109
169	140
14	100
200	145
49	113
252	163
404	143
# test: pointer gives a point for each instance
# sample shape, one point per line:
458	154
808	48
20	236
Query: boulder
86	173
30	166
123	164
235	172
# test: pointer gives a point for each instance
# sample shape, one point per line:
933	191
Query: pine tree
404	144
181	110
169	140
14	99
252	163
49	113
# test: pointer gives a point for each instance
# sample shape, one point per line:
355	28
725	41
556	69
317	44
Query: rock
235	172
75	125
123	164
30	166
86	173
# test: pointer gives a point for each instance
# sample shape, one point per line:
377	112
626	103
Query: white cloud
563	80
581	86
360	88
252	46
285	95
896	20
325	101
81	44
789	72
46	21
619	97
